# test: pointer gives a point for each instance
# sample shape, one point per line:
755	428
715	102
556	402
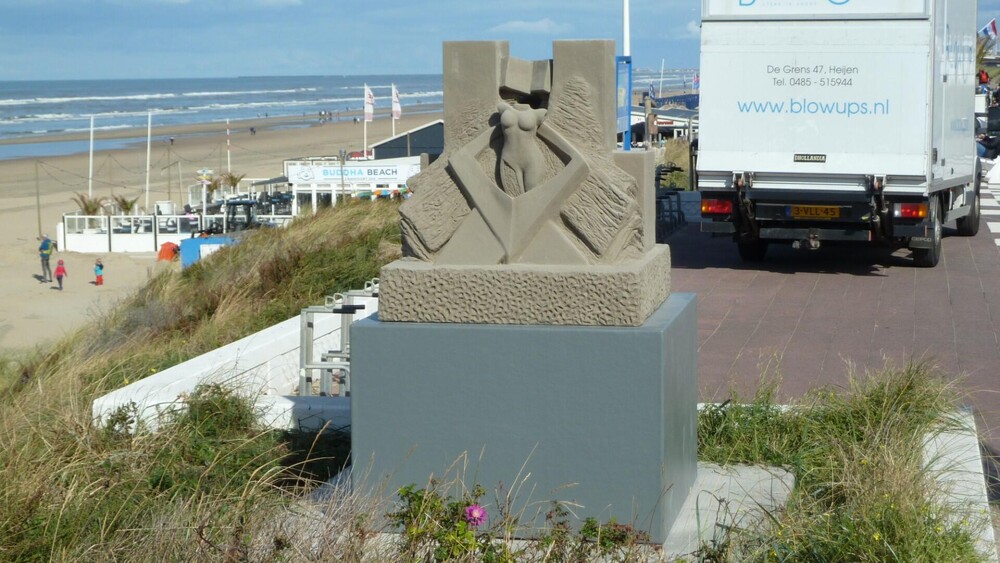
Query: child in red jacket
60	273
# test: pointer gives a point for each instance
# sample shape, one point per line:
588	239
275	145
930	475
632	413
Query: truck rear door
814	89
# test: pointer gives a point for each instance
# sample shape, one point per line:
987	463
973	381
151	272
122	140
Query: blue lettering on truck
805	106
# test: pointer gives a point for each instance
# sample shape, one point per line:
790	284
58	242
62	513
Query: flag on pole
397	111
369	104
989	30
697	81
652	93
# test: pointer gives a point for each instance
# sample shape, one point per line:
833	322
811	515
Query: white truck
838	120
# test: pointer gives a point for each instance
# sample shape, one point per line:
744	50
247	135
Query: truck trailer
838	120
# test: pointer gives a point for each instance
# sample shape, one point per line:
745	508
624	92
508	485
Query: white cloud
279	3
543	26
694	28
691	30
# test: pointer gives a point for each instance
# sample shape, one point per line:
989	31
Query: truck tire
929	257
752	250
968	226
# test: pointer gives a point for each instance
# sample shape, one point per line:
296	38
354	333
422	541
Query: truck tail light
716	206
911	210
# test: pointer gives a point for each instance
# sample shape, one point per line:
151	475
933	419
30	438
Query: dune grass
212	485
69	491
863	492
677	151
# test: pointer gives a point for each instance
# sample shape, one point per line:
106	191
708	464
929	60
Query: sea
32	110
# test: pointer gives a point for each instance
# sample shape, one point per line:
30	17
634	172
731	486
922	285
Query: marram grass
69	491
862	490
213	486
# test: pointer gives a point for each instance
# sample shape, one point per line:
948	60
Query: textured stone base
622	295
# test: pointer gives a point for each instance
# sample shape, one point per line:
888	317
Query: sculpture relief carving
534	179
520	151
529	199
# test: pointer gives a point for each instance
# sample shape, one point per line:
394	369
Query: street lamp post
343	188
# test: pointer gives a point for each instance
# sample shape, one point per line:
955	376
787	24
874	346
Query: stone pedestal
623	294
604	417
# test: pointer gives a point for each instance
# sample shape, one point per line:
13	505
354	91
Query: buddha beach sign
392	171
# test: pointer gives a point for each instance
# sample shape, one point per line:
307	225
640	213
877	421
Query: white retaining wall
265	364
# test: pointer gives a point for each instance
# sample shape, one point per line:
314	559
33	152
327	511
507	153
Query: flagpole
364	147
90	177
627	35
149	150
391	109
659	94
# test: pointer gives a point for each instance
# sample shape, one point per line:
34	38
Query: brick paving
808	316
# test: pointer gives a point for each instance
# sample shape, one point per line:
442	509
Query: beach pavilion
320	181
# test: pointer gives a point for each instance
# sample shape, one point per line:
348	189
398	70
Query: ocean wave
297	103
97	128
370	86
235	107
10	133
247	92
402	94
269	104
431	94
43	117
74	99
142	97
37	117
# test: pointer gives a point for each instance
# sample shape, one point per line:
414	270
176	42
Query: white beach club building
321	181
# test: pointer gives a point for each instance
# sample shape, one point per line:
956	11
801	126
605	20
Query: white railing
139	233
266	365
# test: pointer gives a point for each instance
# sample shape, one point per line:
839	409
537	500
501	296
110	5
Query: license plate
814	211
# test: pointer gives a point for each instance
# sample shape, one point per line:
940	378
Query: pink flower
475	515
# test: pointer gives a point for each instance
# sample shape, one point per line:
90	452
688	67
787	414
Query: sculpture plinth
527	333
619	295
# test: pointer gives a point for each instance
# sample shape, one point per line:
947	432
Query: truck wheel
968	226
929	257
752	250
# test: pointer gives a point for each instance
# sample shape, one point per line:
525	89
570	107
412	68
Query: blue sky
83	39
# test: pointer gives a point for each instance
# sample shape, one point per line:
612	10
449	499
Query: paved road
810	315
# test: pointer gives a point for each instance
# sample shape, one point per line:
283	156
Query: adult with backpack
45	251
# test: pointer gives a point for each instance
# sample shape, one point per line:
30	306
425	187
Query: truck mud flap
724	228
821	234
910	231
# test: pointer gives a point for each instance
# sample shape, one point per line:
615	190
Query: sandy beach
36	192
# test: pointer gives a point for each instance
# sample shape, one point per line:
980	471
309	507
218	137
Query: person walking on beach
61	273
99	272
45	251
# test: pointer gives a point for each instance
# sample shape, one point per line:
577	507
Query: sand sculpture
531	215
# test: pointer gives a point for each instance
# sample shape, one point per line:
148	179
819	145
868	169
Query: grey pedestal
604	417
